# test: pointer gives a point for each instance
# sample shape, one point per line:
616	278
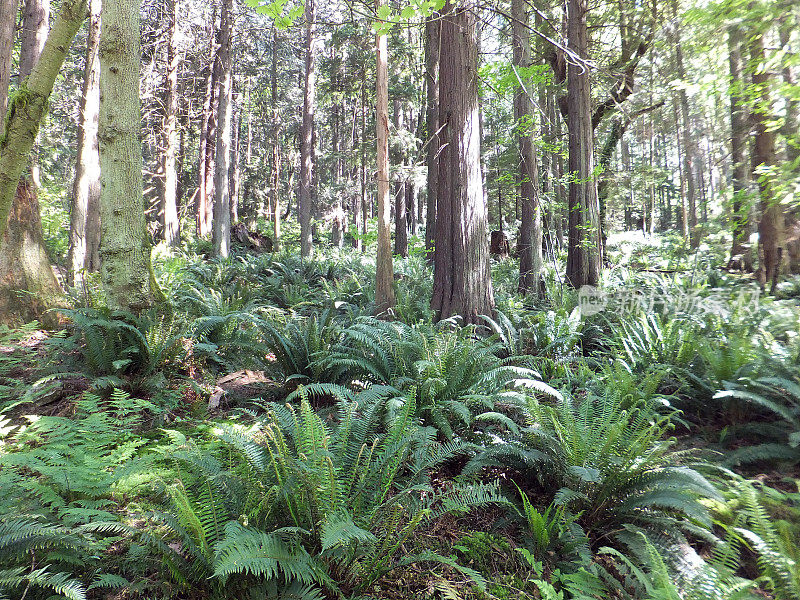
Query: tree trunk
35	27
739	131
169	183
125	248
462	282
686	134
7	30
529	245
307	135
84	230
432	52
400	207
583	251
235	173
205	166
791	126
384	270
276	147
221	229
770	227
27	109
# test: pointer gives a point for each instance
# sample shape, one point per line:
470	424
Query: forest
412	299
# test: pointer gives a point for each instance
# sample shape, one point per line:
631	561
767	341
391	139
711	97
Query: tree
29	286
125	249
583	250
169	181
530	231
307	135
461	282
770	227
686	134
205	166
224	77
7	26
35	27
739	132
84	224
432	50
275	173
384	271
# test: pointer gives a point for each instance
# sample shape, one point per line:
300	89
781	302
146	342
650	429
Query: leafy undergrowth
263	437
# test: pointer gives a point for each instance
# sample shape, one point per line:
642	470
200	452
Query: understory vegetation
262	436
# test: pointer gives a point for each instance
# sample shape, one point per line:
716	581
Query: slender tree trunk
432	53
770	227
169	190
35	27
276	146
738	139
125	248
400	210
84	231
791	126
205	167
29	286
530	231
384	270
307	135
583	252
686	134
28	109
462	283
221	229
7	30
235	173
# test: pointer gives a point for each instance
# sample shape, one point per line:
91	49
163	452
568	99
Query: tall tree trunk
432	52
738	139
7	29
462	283
29	286
235	173
221	229
307	135
169	183
686	134
35	27
583	251
400	208
84	225
791	126
384	270
205	166
530	231
27	110
770	227
276	147
125	249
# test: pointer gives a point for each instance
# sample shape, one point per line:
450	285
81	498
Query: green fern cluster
302	503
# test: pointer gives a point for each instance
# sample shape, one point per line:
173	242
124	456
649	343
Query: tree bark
583	251
400	207
28	107
461	281
7	29
35	27
384	270
770	227
84	230
529	245
276	147
221	228
432	52
169	183
686	134
739	131
205	166
307	135
125	248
